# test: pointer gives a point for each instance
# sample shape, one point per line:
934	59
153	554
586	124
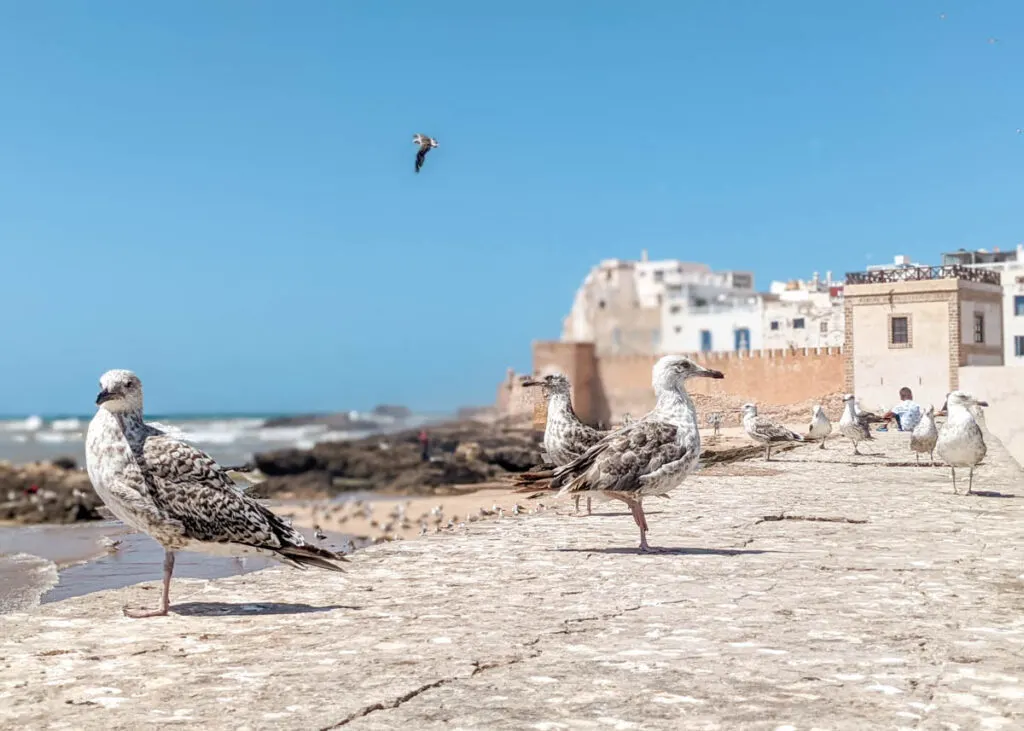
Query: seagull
820	426
176	493
852	425
765	431
714	420
425	143
648	457
960	442
924	436
318	533
565	436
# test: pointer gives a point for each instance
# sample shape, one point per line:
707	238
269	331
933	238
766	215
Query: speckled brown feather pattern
180	495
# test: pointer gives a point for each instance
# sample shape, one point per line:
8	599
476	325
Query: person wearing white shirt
907	413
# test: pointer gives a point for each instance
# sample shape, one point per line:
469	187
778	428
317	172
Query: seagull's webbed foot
143	613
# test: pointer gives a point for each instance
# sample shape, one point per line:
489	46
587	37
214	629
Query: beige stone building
915	327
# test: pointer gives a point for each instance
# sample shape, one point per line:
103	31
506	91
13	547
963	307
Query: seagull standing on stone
426	144
852	425
924	436
176	493
565	436
960	442
650	456
820	426
765	431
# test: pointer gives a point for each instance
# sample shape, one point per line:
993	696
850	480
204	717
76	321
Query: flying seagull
425	144
178	494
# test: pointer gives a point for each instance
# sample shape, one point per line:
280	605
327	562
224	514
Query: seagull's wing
192	492
622	459
421	156
772	432
418	139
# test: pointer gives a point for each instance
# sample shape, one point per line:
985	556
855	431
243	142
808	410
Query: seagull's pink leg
165	601
641	521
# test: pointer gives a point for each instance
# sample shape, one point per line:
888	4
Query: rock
390	411
285	462
462	453
66	463
47	493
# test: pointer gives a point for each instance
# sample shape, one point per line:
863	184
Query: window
824	326
742	338
705	340
674	309
1018	305
678	329
979	327
798	323
659	275
774	325
601	304
1018	346
899	330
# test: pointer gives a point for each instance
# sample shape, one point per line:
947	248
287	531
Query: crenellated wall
605	388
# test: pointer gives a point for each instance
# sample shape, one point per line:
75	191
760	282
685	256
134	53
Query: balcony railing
917	274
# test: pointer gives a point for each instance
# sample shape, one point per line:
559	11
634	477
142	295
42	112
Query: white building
697	319
804	314
621	305
1011	266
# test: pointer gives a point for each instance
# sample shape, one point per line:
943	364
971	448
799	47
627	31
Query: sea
46	563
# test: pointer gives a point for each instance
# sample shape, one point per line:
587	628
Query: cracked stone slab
833	592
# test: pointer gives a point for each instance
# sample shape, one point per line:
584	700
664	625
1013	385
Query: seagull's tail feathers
305	556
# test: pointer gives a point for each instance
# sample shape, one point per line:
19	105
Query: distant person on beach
425	444
907	413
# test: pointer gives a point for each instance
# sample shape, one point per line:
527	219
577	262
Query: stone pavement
902	606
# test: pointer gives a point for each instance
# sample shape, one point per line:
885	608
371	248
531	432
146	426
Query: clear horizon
221	197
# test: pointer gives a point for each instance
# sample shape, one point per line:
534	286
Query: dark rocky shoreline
466	452
47	492
461	453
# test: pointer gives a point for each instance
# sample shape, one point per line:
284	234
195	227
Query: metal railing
917	274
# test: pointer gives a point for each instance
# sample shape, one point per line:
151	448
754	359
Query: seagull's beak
709	373
982	403
104	396
529	382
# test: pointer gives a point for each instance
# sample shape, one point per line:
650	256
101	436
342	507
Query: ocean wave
67	425
24	579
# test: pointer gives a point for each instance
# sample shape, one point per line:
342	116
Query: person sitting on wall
907	412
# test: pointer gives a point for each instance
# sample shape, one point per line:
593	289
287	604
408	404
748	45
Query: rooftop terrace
917	274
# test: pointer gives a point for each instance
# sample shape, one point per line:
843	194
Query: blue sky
242	171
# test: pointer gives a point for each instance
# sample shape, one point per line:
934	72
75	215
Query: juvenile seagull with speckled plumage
565	436
766	432
648	457
179	495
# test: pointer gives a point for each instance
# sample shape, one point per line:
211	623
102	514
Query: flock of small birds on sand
399	522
